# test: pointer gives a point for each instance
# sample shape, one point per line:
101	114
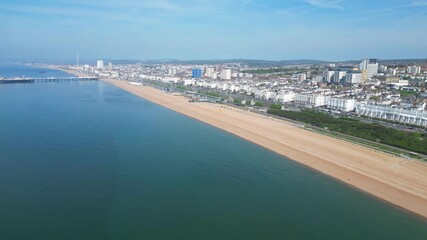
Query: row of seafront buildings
336	103
410	116
280	90
283	96
320	100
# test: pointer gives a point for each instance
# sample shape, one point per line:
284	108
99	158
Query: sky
213	29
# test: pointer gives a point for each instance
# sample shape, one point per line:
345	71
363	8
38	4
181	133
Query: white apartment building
370	66
413	70
339	75
269	95
345	105
259	93
302	77
414	116
285	97
226	74
392	71
188	82
328	76
100	64
353	78
209	71
172	71
234	88
310	99
224	87
170	79
383	69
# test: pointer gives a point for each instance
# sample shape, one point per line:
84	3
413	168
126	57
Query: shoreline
395	180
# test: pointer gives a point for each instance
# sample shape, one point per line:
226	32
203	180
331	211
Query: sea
87	160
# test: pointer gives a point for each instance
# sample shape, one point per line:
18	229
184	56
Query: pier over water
48	79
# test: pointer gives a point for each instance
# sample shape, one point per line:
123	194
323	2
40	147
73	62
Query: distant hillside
250	62
391	61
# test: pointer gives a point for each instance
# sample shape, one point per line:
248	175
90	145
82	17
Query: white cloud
333	4
75	12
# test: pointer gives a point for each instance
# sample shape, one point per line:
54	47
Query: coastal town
213	119
388	91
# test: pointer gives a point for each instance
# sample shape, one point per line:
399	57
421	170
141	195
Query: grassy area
415	142
258	104
366	143
408	93
276	106
212	94
237	101
393	122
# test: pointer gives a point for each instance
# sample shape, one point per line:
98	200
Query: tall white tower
209	71
370	67
100	64
226	74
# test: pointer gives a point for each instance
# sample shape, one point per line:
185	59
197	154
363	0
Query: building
340	104
172	71
392	71
100	64
189	82
410	116
354	77
196	73
110	66
310	99
284	97
209	71
226	74
414	70
328	75
383	69
339	76
302	77
369	68
214	75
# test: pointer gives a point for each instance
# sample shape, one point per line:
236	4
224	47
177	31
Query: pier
48	79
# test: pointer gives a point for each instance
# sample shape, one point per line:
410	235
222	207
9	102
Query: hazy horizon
187	61
330	30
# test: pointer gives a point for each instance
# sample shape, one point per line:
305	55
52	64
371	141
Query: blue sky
213	29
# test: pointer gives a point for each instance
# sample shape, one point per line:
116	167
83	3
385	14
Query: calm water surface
86	160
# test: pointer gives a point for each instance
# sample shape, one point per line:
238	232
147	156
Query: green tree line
416	142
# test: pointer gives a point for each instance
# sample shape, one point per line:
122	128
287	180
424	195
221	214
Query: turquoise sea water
86	160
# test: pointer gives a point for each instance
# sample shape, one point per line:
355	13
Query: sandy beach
396	180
